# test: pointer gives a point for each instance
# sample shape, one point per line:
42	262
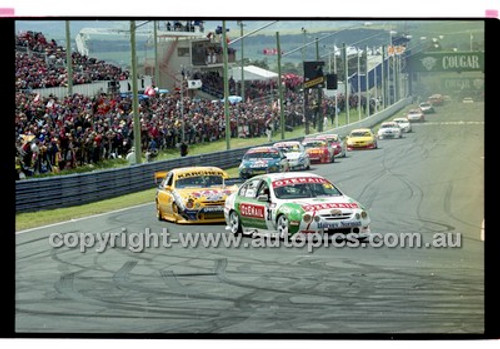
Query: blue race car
263	160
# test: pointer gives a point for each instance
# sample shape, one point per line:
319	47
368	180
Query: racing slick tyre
175	211
282	226
159	214
234	223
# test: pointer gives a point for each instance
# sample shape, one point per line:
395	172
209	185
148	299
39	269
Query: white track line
82	218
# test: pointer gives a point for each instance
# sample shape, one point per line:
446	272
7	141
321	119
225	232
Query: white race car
296	155
294	204
415	115
404	124
426	108
389	129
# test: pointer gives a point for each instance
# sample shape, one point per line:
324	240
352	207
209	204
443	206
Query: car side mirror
263	198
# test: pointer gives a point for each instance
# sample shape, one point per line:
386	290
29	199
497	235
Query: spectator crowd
41	63
54	134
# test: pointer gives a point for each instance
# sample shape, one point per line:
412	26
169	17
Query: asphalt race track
430	181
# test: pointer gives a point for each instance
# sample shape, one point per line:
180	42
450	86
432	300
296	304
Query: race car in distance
415	115
192	194
294	204
389	129
404	124
426	108
296	155
361	138
318	150
338	144
261	160
436	99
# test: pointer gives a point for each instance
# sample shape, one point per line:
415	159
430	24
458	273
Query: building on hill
183	47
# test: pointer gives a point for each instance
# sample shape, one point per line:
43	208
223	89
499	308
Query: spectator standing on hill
269	132
183	147
152	151
131	156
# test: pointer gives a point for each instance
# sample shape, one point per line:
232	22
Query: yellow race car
193	194
361	138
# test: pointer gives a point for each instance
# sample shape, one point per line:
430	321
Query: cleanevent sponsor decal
298	180
316	207
252	211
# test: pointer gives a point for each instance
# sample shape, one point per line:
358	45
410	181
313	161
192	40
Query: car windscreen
199	182
292	148
388	126
261	155
314	144
333	138
306	191
360	134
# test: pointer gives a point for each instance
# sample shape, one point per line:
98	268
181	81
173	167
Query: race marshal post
313	78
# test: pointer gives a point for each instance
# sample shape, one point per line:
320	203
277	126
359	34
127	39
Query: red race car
436	99
318	150
338	144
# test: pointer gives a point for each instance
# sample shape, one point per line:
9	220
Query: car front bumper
388	135
213	214
297	165
361	146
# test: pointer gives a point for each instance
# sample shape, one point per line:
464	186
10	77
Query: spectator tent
252	73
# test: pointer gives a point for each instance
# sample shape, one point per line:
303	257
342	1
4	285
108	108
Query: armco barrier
77	189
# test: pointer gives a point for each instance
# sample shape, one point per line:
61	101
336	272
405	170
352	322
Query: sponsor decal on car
259	163
252	211
336	225
298	180
262	150
213	209
198	173
316	207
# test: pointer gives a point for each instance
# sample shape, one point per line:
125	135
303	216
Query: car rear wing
159	176
232	181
